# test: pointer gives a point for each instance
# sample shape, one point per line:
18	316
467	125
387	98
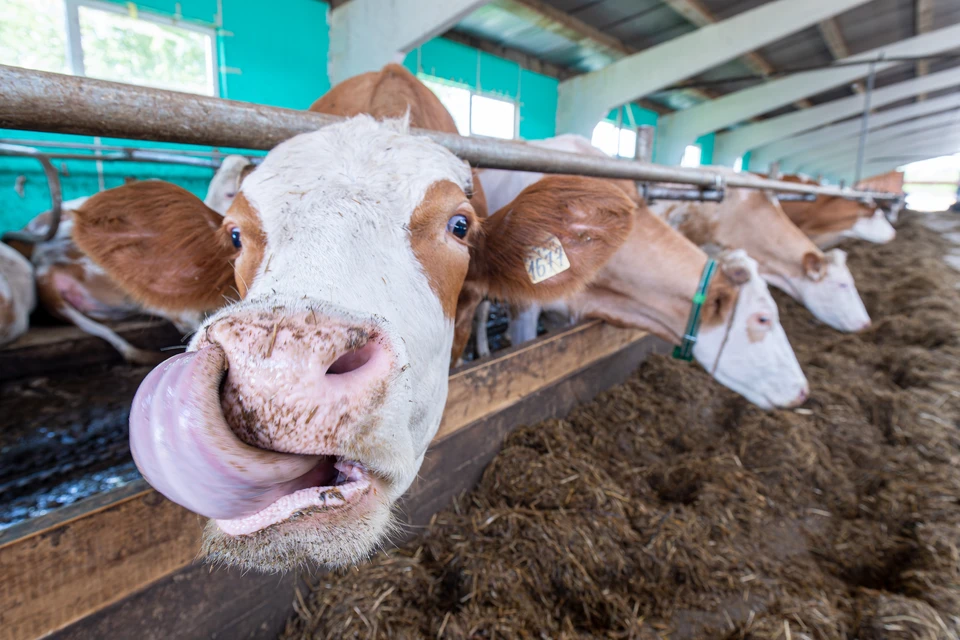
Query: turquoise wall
746	161
706	148
279	57
275	57
535	94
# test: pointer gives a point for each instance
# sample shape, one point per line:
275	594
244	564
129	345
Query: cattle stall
89	549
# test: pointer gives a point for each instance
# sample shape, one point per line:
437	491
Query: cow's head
742	343
306	402
225	184
871	225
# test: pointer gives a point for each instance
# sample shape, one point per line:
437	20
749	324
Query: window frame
75	44
473	92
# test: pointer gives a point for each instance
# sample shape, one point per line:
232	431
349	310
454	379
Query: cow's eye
763	320
458	226
235	237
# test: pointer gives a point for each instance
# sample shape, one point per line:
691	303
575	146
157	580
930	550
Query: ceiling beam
948	139
697	14
919	129
677	130
367	34
837	45
568	27
733	144
584	99
783	149
923	22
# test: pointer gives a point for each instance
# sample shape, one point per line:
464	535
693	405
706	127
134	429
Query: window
691	156
110	42
476	114
738	165
615	141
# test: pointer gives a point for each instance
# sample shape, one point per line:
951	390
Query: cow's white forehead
359	158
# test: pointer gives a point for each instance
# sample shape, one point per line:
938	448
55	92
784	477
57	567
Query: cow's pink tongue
184	448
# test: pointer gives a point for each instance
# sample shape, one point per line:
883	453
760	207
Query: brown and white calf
830	220
649	284
17	294
302	411
753	220
76	289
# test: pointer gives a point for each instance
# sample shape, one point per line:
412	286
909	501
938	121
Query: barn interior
586	483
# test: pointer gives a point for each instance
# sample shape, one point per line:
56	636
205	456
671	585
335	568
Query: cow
302	410
650	283
74	288
17	294
829	220
753	220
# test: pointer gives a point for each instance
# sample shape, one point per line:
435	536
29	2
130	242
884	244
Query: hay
670	507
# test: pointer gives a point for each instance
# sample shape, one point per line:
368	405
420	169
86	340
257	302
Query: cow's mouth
183	445
340	484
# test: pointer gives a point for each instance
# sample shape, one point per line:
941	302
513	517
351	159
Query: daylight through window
615	141
476	114
691	156
108	41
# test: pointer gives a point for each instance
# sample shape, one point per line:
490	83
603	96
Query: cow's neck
649	283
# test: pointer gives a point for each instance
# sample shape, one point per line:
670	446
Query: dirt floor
670	508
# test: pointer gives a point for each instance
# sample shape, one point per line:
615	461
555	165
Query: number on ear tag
546	261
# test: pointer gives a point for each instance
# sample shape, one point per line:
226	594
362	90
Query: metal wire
56	197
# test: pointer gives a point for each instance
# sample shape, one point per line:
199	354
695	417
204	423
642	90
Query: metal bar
56	201
652	194
40	101
644	150
121	156
865	124
52	144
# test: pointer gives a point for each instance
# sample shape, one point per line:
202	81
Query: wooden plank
494	385
46	350
197	603
59	569
837	44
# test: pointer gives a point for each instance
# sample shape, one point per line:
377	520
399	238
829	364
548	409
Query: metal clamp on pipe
56	195
651	194
797	197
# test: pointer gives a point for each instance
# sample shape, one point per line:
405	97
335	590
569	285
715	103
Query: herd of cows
329	289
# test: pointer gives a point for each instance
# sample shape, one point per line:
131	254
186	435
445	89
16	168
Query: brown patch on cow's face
721	298
244	217
444	257
813	266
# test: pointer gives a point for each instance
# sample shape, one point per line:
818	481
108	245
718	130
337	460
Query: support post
865	125
645	134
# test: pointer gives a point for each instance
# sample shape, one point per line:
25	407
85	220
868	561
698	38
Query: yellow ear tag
546	261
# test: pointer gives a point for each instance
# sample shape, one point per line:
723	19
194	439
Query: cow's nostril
353	360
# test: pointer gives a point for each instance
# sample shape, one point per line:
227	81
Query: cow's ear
551	240
160	244
814	266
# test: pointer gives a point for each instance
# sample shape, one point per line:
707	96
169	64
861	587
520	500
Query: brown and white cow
753	220
17	294
76	289
650	284
830	220
302	412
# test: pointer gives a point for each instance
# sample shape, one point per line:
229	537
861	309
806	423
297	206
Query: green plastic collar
685	350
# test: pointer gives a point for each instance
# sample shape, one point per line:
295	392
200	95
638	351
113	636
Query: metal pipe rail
41	101
89	146
113	156
56	198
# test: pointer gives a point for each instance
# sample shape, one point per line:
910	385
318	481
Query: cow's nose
300	382
866	325
801	398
